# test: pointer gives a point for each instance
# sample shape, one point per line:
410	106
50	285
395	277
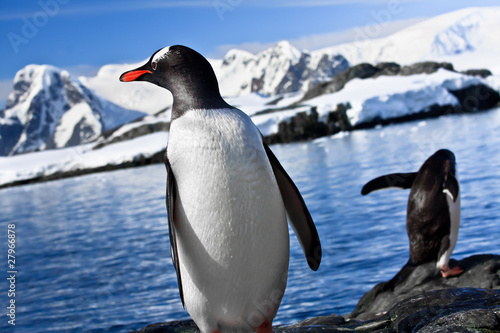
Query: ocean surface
92	252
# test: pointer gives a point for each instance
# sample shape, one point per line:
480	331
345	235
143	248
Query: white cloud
83	70
319	41
252	47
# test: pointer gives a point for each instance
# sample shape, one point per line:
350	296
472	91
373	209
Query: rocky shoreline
422	302
308	125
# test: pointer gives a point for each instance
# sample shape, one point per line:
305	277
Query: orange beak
133	75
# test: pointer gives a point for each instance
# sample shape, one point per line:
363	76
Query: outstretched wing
171	197
298	214
398	180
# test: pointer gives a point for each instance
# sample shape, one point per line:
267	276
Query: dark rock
170	327
296	74
447	310
426	67
476	98
387	68
257	84
330	323
302	126
464	309
365	71
133	133
338	82
444	310
484	73
338	121
10	136
307	125
480	271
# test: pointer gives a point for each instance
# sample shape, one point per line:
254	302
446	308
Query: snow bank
389	97
49	162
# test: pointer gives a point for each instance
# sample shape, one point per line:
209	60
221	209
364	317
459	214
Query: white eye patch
160	55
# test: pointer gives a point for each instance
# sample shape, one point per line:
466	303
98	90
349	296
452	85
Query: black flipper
298	214
171	197
399	180
451	185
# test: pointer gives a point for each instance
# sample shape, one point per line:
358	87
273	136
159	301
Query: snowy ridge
448	37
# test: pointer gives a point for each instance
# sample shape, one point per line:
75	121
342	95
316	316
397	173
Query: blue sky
84	35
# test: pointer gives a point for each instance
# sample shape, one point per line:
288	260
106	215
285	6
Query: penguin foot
446	271
265	327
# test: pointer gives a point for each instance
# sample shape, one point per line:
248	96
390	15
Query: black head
446	159
445	154
185	73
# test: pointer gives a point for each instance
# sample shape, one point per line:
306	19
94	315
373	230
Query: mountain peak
287	49
235	54
36	69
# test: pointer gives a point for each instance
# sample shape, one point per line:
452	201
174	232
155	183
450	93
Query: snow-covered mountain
457	37
278	70
48	108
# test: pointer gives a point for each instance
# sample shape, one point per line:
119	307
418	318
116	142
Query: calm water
93	255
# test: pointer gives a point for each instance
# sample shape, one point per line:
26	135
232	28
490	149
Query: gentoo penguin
227	201
433	213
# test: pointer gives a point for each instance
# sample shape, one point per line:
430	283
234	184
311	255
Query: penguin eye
153	65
